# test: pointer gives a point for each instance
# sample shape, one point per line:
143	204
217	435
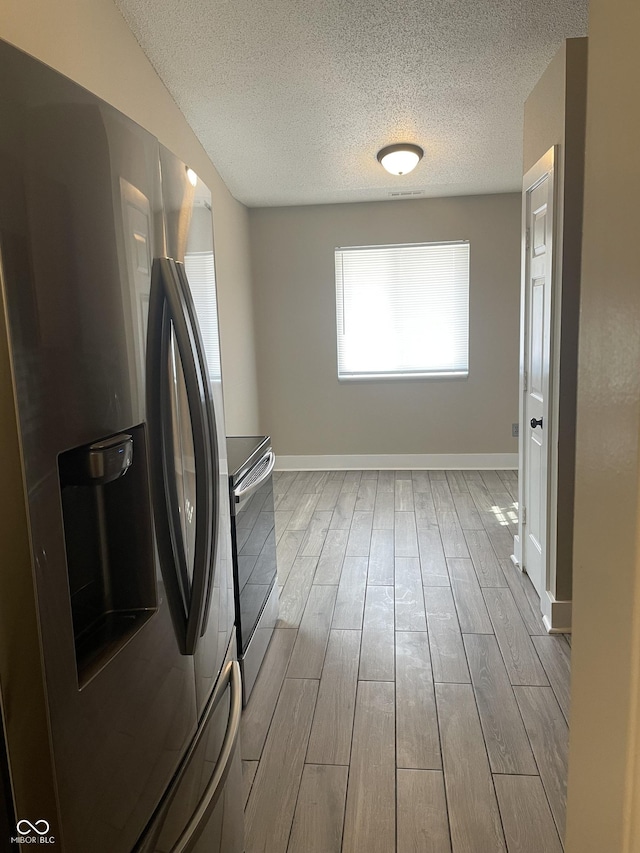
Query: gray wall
91	43
302	404
603	809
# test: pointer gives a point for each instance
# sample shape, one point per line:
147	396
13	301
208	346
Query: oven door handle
242	493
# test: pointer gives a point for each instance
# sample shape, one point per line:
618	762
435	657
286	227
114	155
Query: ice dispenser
109	544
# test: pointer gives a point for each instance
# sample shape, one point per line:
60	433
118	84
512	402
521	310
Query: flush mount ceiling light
400	159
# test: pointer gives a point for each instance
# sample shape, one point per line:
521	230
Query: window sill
385	377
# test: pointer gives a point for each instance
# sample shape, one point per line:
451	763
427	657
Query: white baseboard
516	557
400	462
556	615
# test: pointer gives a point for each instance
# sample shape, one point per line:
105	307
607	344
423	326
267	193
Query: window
403	311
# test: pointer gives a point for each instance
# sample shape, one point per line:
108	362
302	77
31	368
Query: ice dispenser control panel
99	463
110	459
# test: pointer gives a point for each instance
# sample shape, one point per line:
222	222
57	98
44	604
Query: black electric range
251	462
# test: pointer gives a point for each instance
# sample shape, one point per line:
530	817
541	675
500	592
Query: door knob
535	423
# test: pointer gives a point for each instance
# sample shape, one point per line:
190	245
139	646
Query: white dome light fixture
400	159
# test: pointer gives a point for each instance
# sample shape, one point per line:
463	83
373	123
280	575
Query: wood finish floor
411	699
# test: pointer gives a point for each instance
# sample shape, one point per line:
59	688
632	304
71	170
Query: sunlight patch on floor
506	515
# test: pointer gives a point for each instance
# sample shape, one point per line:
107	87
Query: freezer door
188	240
202	812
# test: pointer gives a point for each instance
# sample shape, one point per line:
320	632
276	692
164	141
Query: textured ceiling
292	99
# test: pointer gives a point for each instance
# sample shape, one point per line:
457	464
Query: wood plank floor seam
538	775
317	723
398	588
487	752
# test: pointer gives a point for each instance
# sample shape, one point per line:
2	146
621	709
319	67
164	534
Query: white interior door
534	447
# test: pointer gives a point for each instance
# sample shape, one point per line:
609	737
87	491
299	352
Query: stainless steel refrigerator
119	685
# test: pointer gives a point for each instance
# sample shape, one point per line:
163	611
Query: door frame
546	167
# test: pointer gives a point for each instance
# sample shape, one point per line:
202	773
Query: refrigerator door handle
230	677
171	551
186	336
215	462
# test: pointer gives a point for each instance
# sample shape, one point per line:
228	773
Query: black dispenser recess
109	544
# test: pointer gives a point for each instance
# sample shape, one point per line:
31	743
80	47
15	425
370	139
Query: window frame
382	376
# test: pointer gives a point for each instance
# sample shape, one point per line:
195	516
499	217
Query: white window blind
403	310
200	270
